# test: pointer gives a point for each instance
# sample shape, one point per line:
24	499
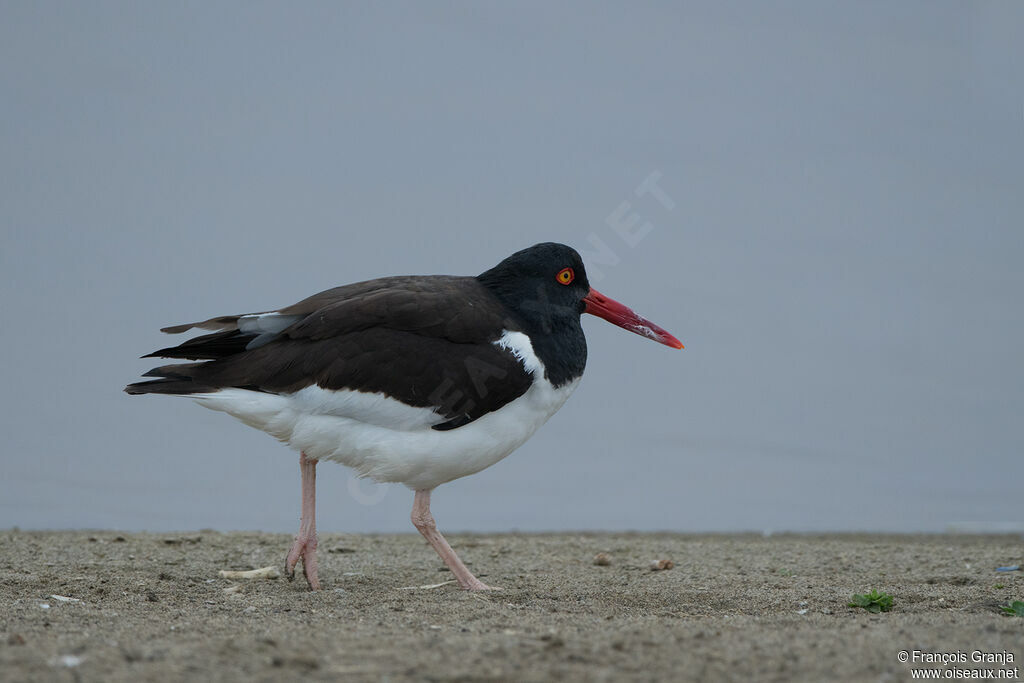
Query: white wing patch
266	326
366	407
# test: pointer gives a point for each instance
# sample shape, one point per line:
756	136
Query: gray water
836	237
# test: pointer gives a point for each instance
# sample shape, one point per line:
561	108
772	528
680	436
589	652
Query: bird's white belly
389	441
407	451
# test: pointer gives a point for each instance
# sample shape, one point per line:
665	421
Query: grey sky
843	259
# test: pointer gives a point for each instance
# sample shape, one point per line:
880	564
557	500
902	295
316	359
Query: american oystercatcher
413	379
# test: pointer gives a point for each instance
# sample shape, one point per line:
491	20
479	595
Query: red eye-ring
565	276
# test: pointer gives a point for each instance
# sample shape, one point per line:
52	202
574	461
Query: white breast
389	441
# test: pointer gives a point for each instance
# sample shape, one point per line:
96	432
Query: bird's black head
544	285
545	290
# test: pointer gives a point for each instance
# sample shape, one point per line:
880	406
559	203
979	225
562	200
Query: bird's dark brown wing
426	341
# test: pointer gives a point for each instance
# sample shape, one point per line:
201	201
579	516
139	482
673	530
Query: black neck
563	350
554	329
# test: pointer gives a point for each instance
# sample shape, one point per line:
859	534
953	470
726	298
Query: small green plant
873	602
1014	609
999	586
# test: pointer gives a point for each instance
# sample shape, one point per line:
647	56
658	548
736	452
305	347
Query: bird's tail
179	380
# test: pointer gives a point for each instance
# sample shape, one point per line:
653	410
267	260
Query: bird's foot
475	584
303	547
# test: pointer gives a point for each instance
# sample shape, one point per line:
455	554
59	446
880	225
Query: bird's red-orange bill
619	314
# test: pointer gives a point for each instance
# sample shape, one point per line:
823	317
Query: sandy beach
107	606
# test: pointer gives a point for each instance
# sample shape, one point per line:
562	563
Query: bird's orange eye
565	276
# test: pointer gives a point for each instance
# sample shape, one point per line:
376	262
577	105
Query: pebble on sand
69	661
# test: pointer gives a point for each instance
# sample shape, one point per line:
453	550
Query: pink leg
305	541
424	523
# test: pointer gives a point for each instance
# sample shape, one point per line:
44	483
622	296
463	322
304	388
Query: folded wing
400	337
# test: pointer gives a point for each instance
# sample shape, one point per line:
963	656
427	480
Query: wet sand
734	607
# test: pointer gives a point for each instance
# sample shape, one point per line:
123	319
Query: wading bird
412	379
